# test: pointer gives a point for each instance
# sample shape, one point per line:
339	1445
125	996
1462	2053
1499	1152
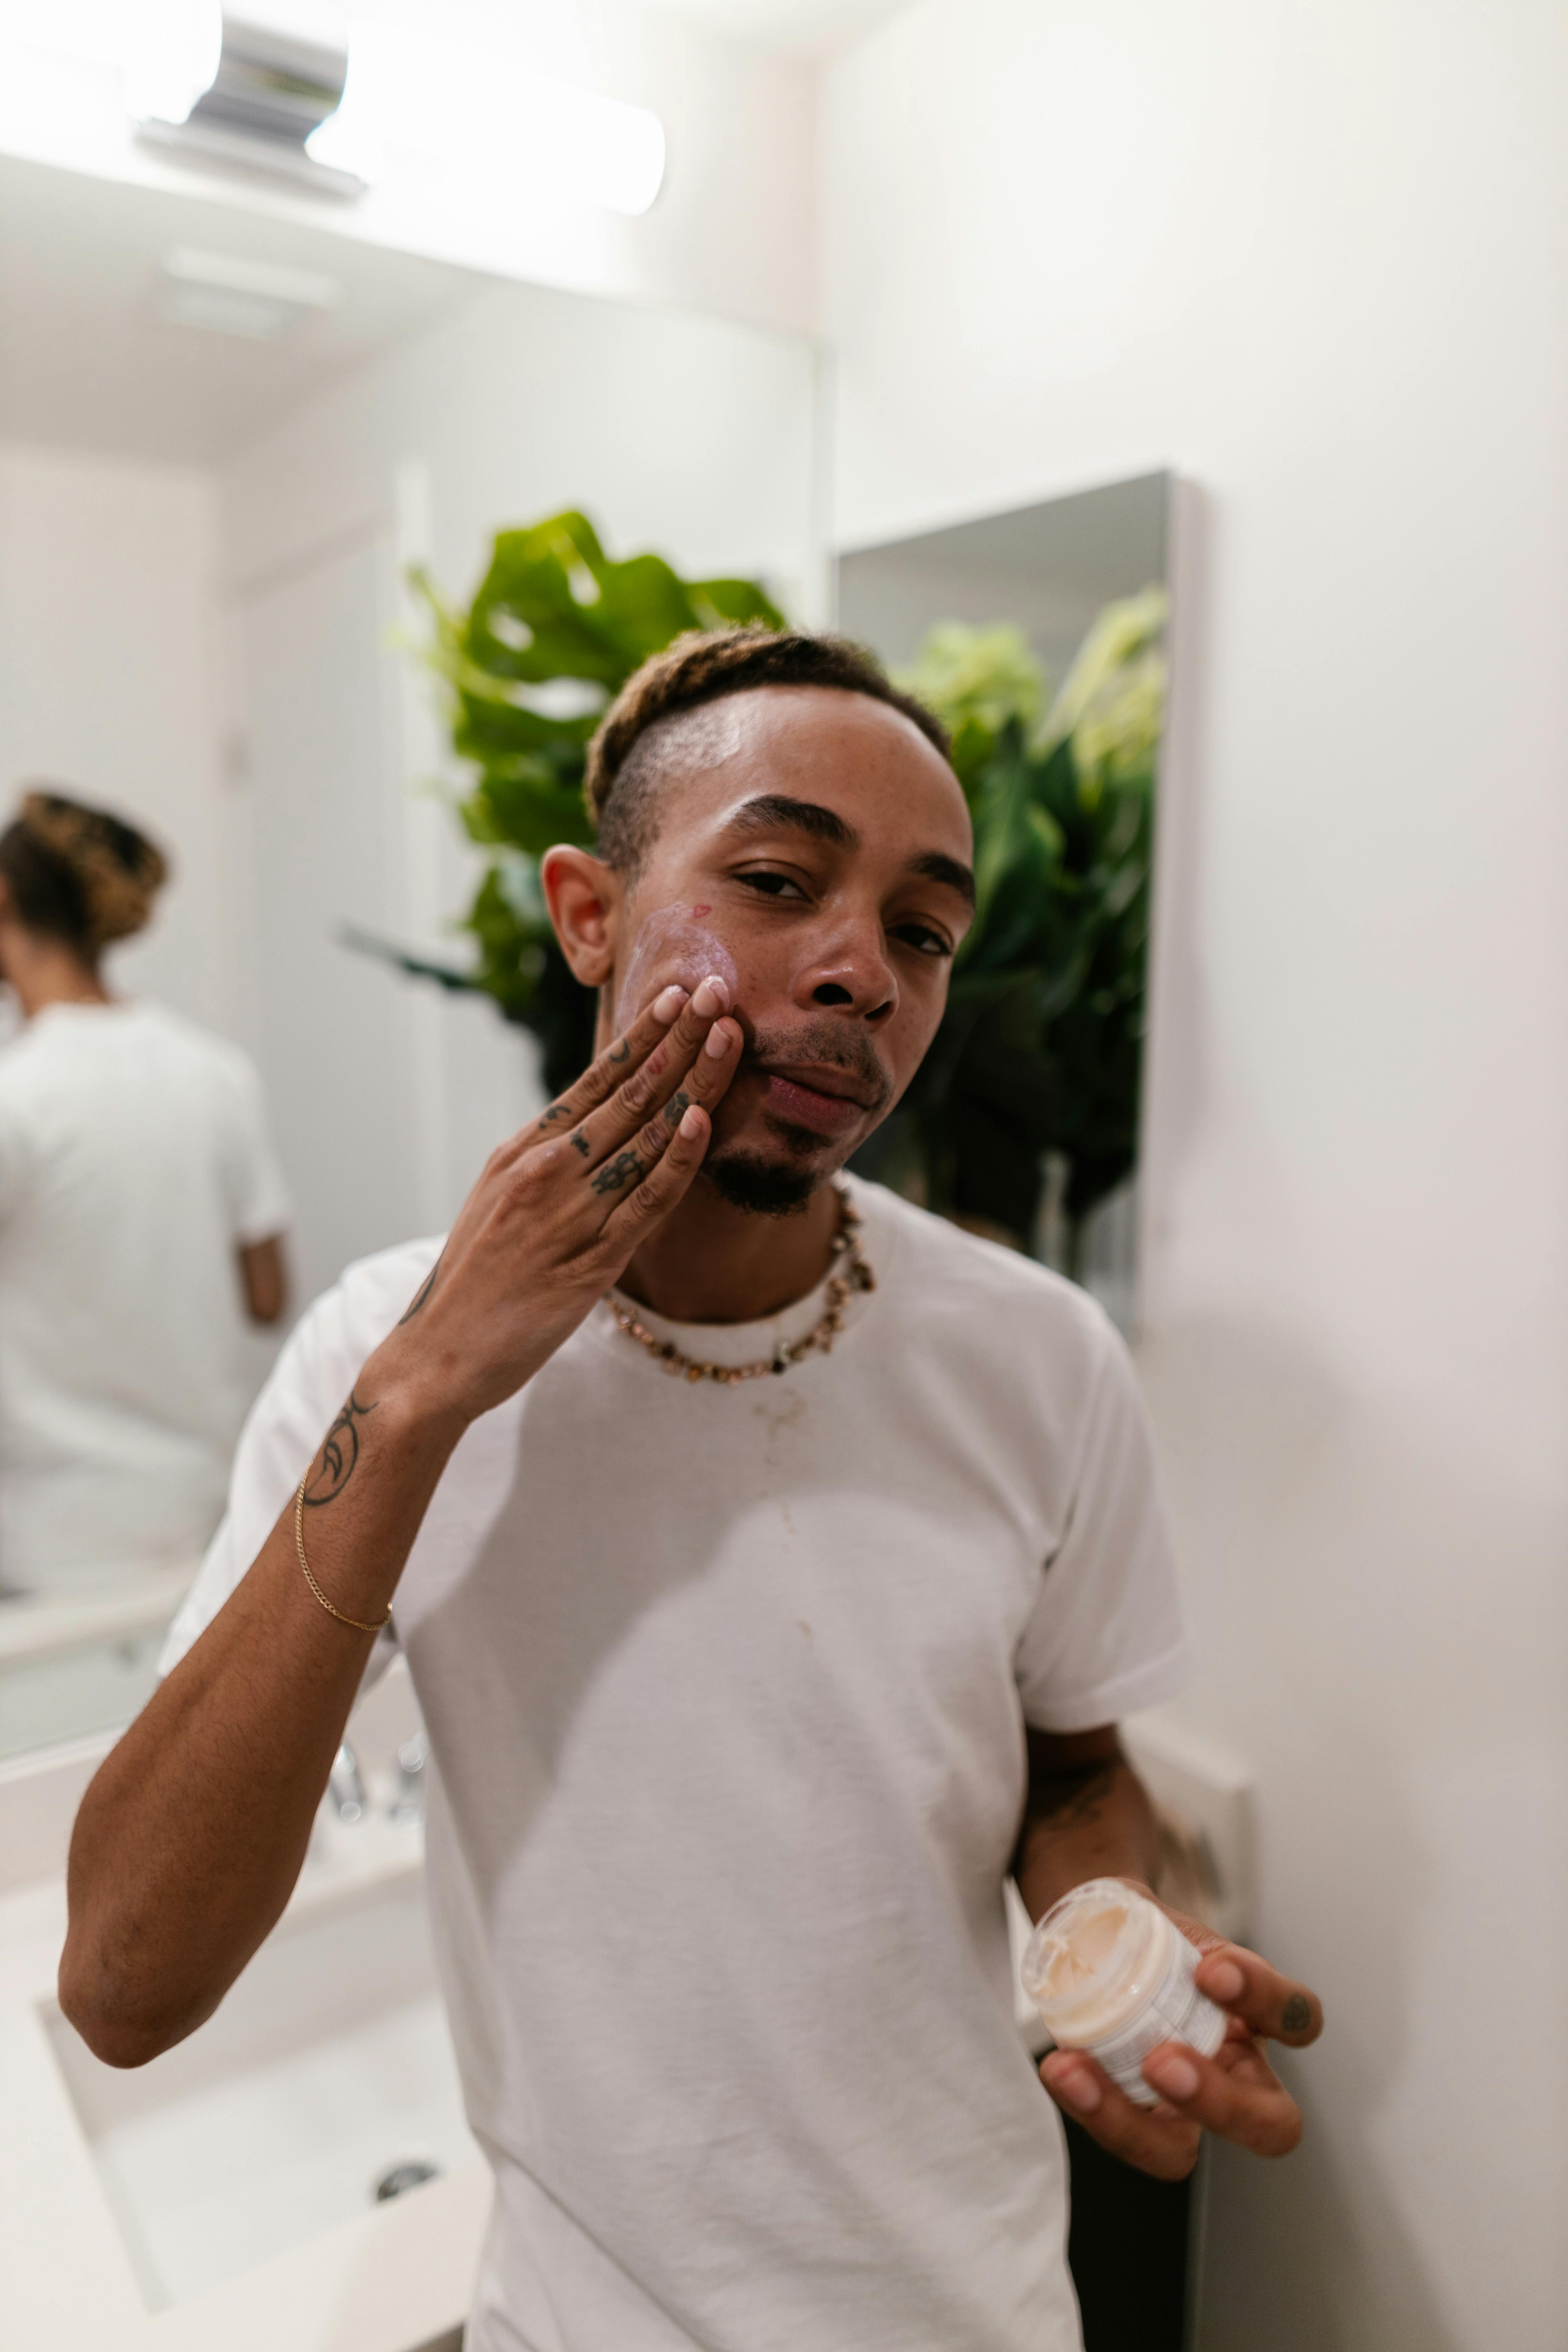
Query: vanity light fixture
164	53
266	93
490	116
170	56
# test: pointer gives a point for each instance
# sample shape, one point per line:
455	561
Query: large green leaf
529	811
733	604
552	605
553	631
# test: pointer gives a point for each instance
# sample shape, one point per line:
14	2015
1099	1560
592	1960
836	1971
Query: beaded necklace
856	1275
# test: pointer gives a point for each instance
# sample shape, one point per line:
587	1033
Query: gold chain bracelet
357	1622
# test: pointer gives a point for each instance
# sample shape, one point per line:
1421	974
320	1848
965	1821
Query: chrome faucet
345	1788
409	1797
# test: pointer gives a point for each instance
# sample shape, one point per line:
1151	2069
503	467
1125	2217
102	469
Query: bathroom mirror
1039	636
227	429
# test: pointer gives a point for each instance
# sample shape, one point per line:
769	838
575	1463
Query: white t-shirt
725	1691
134	1161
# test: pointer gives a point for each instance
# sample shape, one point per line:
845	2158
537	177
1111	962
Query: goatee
761	1186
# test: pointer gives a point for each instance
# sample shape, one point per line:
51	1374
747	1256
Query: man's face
824	844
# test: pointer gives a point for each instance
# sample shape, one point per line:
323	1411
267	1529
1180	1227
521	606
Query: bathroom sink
327	2067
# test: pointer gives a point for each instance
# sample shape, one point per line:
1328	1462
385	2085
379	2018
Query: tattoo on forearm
1297	2013
1069	1796
421	1295
340	1454
579	1142
675	1109
625	1168
1074	1795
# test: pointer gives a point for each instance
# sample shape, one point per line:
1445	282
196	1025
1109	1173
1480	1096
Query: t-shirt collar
745	1343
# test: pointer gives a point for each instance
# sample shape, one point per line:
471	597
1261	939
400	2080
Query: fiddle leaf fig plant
553	631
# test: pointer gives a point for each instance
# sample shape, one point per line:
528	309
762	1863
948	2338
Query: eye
922	939
771	883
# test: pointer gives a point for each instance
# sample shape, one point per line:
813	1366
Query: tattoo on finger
675	1109
621	1052
625	1168
579	1142
1297	2013
556	1110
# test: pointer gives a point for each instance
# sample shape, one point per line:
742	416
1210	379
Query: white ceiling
798	29
87	362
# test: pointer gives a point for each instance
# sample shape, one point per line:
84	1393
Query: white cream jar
1112	1975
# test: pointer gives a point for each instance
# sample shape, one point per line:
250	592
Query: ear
583	895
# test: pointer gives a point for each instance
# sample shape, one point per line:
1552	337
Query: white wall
679	434
676	431
733	229
107	687
1312	254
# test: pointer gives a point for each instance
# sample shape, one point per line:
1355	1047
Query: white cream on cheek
672	943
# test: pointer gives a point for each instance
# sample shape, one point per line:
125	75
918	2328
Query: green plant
553	632
1040	1051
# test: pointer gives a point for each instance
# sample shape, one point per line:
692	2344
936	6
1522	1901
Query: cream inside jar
1094	1960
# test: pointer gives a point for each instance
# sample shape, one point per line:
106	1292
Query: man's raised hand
560	1209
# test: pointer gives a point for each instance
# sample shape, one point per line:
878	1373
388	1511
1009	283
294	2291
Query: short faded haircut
627	762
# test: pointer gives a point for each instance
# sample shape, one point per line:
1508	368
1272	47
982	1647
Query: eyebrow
937	867
771	811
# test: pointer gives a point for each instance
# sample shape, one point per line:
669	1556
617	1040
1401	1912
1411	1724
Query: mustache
825	1041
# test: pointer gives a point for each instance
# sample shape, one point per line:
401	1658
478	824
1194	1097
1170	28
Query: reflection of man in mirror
139	1202
773	1562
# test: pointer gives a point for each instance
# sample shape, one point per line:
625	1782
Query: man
729	1676
141	1218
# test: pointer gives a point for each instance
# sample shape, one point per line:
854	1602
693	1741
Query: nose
850	973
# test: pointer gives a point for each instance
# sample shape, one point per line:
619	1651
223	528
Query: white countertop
33	1625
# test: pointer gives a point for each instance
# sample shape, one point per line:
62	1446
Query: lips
809	1095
